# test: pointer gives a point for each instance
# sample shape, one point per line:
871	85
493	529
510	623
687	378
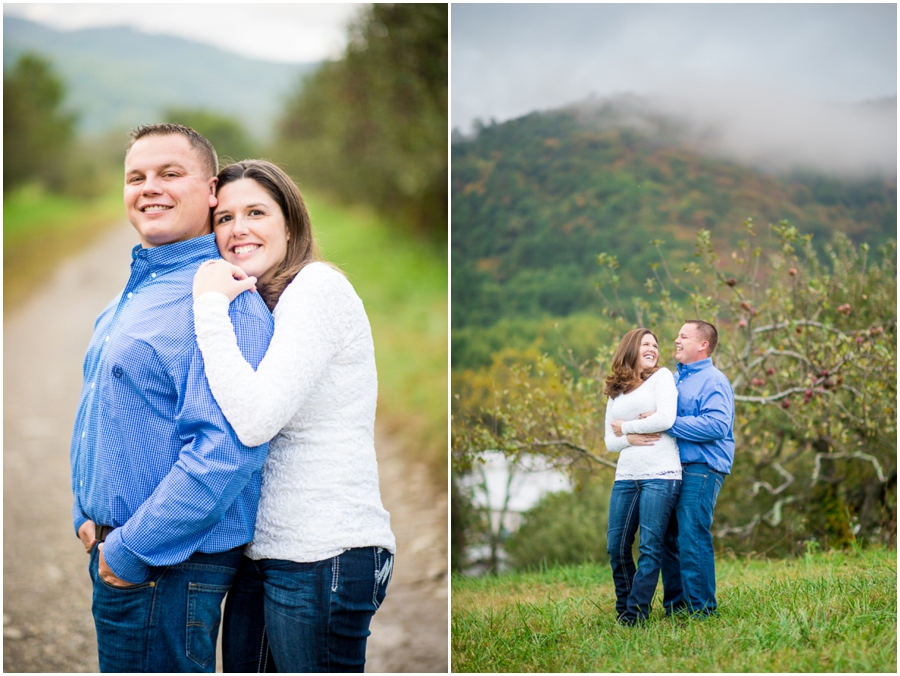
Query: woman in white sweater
322	554
643	403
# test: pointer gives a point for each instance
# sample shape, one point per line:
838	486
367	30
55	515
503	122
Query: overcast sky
767	74
286	32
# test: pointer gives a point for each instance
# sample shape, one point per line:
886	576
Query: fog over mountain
773	85
775	132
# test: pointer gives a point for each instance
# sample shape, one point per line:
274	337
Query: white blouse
660	460
315	392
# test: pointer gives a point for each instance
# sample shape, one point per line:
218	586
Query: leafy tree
226	134
810	349
37	132
372	126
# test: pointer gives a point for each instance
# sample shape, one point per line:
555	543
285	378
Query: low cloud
772	130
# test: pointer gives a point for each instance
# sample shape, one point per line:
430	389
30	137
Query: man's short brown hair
197	141
708	331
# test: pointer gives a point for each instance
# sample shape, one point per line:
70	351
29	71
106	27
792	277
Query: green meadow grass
401	280
826	612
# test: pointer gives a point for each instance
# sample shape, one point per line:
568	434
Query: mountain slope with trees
535	200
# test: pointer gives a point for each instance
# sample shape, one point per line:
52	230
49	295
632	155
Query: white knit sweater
661	460
315	393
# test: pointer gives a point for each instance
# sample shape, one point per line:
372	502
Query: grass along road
826	612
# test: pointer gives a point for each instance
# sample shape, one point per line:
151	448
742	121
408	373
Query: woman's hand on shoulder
223	277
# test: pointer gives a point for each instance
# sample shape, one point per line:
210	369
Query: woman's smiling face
648	354
250	228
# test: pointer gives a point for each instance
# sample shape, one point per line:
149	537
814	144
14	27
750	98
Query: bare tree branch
739	530
797	322
789	479
568	444
857	455
771	398
773	516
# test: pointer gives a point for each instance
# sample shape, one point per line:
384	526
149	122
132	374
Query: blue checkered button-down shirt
152	454
704	427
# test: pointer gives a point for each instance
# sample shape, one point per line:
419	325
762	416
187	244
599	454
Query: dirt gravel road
47	623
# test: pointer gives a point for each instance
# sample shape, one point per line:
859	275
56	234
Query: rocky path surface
47	623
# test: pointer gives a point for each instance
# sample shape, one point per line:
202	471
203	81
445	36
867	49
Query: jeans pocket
384	569
133	587
203	617
150	583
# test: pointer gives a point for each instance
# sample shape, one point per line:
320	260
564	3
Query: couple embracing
224	437
675	438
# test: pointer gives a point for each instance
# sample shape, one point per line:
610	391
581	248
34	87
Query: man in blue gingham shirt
154	462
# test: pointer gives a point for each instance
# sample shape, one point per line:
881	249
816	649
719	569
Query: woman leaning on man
643	404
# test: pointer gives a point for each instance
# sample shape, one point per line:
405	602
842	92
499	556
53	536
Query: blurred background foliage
364	136
37	134
385	106
227	134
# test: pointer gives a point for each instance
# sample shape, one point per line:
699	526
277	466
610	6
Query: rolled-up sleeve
711	423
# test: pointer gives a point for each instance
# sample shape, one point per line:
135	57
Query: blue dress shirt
151	453
705	422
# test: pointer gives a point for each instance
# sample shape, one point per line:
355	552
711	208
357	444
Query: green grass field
401	280
825	612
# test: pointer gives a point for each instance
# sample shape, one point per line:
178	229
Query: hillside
118	78
536	199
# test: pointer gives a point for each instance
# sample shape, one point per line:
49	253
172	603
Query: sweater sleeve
665	396
614	444
311	321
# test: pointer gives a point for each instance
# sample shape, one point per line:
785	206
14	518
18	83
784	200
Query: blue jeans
689	562
170	622
647	503
304	617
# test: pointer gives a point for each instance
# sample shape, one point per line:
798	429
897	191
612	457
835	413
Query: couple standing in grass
675	438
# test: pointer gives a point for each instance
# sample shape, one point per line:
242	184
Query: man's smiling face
690	346
168	193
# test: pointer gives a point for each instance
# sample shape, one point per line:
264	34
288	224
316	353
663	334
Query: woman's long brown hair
301	246
624	376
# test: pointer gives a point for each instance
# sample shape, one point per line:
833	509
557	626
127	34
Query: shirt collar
176	255
695	366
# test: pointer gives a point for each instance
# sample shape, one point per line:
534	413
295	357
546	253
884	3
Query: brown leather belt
103	532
